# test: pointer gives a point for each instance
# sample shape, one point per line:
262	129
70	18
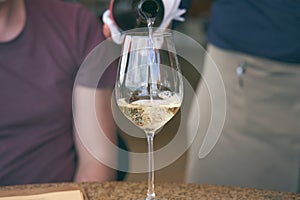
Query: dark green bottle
130	14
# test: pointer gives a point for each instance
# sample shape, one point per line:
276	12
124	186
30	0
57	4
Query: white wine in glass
149	87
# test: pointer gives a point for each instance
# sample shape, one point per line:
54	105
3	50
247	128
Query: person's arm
95	134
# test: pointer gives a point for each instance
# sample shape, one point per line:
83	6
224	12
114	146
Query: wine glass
149	86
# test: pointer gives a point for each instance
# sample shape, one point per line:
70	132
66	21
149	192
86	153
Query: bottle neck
148	9
131	14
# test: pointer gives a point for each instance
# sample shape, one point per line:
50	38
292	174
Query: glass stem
150	192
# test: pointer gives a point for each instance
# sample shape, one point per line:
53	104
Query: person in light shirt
256	47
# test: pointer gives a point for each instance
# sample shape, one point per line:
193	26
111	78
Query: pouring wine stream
151	94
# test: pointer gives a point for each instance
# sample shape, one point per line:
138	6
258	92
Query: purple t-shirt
37	72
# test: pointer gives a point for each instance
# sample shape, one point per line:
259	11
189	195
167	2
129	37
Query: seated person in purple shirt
42	46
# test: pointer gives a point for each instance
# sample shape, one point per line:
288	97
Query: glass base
151	197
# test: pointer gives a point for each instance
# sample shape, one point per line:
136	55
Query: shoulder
59	15
59	9
65	23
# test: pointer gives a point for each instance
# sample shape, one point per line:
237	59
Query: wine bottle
130	14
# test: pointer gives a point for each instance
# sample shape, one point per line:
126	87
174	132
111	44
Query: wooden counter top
137	191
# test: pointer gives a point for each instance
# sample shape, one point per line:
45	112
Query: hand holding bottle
125	15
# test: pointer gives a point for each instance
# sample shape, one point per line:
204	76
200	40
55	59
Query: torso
36	141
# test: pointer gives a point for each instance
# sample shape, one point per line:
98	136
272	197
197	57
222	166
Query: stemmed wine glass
149	86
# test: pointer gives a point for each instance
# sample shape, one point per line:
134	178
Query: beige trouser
260	142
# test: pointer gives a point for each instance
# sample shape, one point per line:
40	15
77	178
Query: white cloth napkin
171	12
